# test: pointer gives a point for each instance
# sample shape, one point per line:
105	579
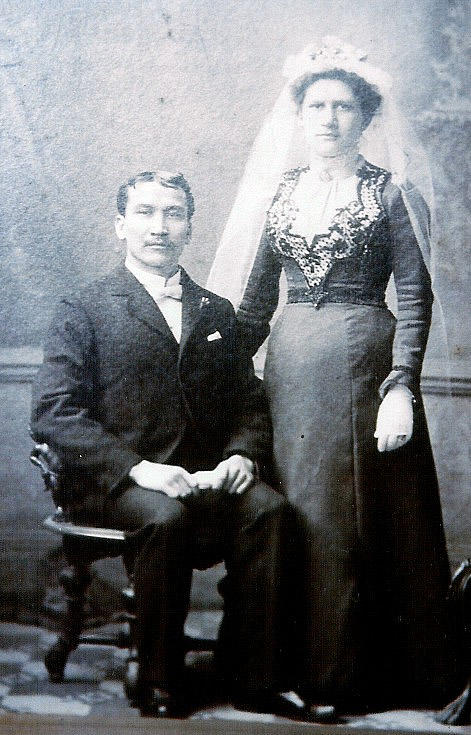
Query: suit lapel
196	308
140	304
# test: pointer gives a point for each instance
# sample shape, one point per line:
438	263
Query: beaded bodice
348	235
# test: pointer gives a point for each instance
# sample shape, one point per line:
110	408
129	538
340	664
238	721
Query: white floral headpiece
334	54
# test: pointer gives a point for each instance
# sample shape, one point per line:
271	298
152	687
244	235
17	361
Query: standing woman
351	448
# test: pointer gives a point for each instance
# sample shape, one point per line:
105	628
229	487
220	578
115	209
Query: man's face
155	226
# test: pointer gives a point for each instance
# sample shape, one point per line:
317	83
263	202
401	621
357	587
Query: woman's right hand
395	419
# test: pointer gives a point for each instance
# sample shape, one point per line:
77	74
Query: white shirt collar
153	283
151	280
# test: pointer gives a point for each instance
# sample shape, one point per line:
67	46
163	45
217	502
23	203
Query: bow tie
172	292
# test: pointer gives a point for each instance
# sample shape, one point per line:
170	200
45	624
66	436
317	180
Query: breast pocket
207	363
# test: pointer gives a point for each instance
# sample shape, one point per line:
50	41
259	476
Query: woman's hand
395	419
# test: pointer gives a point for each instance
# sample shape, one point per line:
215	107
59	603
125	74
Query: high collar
334	169
123	282
149	279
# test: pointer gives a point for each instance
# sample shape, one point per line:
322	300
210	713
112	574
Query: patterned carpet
93	685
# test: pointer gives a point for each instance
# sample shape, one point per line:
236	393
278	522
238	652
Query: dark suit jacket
115	387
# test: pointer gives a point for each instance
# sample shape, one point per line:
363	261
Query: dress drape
371	569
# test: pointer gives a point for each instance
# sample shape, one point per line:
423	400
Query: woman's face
331	118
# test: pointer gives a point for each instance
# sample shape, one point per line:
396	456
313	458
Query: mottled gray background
94	91
98	90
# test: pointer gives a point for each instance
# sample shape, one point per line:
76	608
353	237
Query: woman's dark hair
366	95
165	178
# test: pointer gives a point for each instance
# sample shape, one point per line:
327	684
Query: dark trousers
172	537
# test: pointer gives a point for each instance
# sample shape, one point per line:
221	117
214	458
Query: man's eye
144	211
345	106
316	105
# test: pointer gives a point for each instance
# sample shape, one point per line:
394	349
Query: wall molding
434	385
17	373
20	365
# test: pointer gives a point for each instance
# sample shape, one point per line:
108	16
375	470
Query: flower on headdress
334	54
335	51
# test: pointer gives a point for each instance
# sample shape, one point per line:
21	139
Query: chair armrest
59	524
43	457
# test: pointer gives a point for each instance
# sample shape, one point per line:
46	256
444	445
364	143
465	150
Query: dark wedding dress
370	571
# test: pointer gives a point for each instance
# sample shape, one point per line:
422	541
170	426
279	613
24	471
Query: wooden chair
458	712
82	546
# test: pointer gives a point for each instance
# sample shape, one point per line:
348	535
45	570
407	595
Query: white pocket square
213	336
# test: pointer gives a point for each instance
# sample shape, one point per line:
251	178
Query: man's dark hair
365	94
164	178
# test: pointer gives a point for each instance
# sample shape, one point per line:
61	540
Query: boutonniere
205	301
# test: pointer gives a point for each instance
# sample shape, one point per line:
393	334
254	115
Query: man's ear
119	227
299	118
189	231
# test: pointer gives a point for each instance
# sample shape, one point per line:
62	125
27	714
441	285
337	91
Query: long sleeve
250	425
414	296
64	405
251	434
260	298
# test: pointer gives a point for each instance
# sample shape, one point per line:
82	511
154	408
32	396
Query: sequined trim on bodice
348	234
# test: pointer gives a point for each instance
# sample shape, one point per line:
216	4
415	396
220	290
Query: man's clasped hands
233	475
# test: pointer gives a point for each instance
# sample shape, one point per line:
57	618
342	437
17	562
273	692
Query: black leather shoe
282	705
155	702
321	713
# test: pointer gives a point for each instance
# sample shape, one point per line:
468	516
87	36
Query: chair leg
131	677
75	580
457	712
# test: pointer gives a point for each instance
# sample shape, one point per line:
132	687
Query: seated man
162	427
